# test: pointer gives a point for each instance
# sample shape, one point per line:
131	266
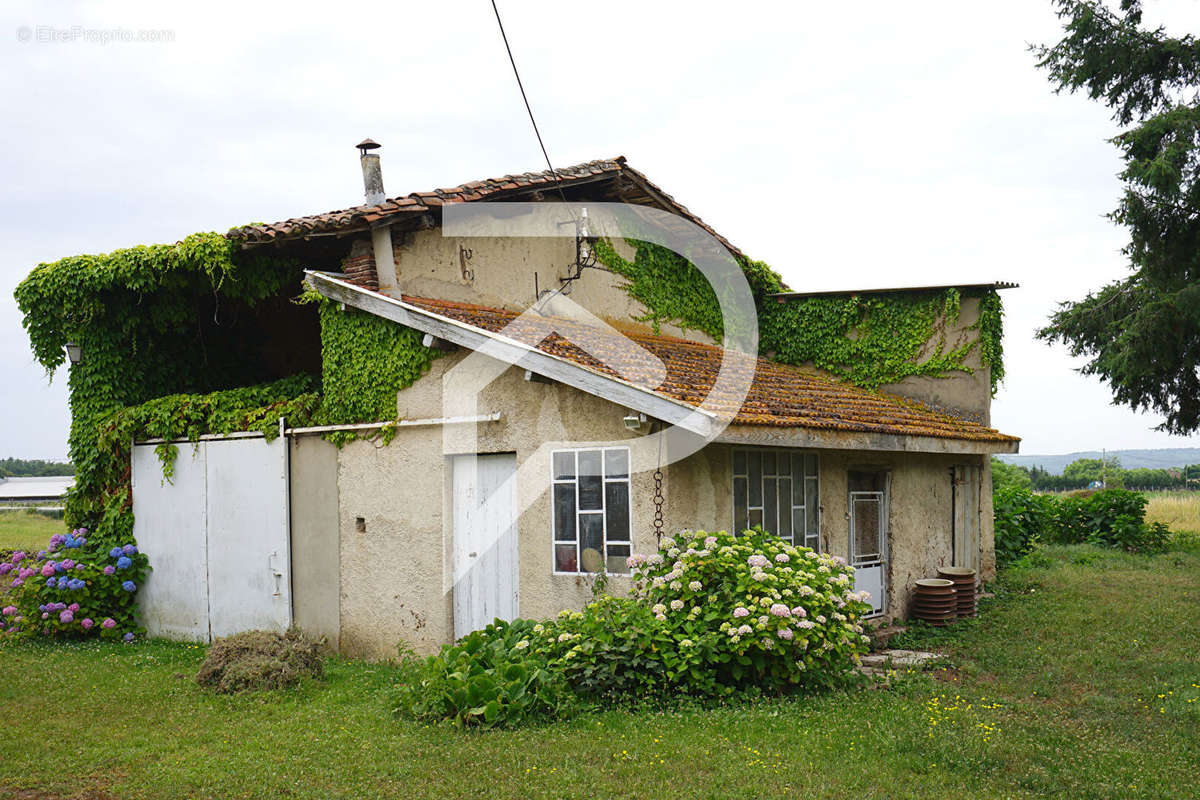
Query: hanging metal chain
658	495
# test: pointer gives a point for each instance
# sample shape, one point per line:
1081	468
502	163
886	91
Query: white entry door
868	546
485	540
217	536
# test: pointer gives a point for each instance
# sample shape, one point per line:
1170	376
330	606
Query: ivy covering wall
868	340
366	360
151	321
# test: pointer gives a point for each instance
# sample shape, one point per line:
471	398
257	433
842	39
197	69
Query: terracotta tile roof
780	394
509	187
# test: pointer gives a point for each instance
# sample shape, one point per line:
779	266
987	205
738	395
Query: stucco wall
314	522
968	393
392	567
500	273
392	573
699	495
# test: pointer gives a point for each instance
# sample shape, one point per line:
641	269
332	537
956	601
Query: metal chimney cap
367	144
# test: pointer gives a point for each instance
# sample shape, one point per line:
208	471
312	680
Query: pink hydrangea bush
768	613
72	588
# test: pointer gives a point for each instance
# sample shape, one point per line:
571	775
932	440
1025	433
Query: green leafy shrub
490	678
1110	518
73	588
259	660
711	615
1022	519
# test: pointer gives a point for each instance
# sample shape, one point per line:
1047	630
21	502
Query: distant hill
1130	459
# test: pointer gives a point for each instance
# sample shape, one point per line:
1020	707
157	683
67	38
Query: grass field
1079	680
25	530
1180	511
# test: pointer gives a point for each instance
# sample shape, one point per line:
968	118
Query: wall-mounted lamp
634	422
74	352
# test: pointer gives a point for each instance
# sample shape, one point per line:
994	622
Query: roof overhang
695	420
779	436
962	287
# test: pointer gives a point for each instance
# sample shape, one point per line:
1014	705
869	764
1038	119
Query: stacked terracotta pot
963	579
935	601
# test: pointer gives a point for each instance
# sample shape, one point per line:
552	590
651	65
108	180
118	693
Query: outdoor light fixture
584	255
634	422
74	352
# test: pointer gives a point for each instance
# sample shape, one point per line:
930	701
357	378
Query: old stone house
524	462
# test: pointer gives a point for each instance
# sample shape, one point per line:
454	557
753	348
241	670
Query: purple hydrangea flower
110	569
45	615
114	553
128	549
73	607
48	569
67	564
129	586
128	637
108	623
18	582
86	623
83	531
8	611
18	557
124	563
66	616
5	568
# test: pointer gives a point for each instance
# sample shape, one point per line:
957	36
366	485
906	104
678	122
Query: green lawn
1080	680
25	530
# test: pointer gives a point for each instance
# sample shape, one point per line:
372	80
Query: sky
849	146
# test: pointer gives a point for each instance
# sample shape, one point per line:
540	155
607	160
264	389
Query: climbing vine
868	340
365	361
151	321
673	290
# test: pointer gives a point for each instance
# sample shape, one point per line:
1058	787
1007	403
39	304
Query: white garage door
217	537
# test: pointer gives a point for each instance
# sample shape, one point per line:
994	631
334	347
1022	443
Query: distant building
48	490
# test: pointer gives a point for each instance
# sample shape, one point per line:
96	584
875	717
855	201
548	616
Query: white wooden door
169	525
967	545
249	560
217	536
485	540
868	546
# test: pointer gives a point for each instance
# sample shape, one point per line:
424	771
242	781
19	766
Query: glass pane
591	541
617	553
564	464
564	558
616	463
811	507
589	462
798	525
798	483
616	565
564	512
785	464
755	459
768	462
866	529
810	466
785	507
739	505
739	462
770	503
755	518
616	507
